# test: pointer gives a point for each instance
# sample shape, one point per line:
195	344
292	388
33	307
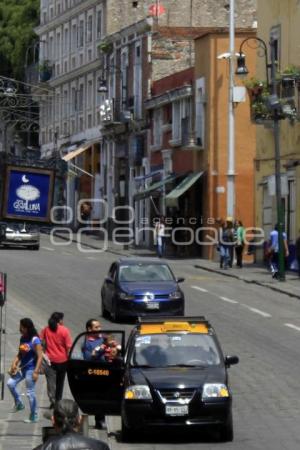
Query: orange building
211	114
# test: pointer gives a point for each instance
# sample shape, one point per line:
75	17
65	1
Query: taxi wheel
226	431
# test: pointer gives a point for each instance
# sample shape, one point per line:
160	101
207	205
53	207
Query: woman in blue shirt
26	366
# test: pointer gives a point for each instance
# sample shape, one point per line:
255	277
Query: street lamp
276	113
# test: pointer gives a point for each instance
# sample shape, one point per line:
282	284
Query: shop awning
82	148
183	186
154	187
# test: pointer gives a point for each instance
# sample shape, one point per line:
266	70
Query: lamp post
276	113
231	121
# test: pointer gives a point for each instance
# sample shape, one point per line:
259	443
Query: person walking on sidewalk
160	231
220	225
26	366
298	254
226	244
240	243
274	250
57	341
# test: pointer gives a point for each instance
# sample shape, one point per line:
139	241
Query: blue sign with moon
28	193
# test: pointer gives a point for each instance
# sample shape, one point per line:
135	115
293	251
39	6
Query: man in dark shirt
93	347
66	421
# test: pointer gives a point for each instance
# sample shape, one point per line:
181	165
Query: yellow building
279	20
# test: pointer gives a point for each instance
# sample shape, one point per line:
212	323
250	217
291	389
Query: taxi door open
95	371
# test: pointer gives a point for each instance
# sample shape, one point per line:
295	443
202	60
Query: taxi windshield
145	272
175	349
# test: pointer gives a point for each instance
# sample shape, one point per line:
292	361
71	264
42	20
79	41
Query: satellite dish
25	179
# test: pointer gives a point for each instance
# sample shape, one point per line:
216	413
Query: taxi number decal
100	372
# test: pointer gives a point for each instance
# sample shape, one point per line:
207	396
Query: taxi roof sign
169	327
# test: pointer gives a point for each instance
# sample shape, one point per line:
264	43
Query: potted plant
255	86
259	110
105	46
45	70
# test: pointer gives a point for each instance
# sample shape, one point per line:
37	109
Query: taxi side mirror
108	280
180	280
231	360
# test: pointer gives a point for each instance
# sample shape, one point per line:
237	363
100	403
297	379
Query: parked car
136	287
20	235
172	376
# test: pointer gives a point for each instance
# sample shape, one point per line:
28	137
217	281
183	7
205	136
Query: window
66	41
66	104
124	77
74	36
90	94
176	123
275	37
58	46
81	34
99	24
74	100
157	127
80	99
137	83
89	29
200	111
291	211
180	120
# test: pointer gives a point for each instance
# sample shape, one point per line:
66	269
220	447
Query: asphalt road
260	326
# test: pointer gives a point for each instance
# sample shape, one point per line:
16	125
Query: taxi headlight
138	392
125	296
214	390
175	295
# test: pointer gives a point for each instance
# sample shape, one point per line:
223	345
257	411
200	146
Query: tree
17	21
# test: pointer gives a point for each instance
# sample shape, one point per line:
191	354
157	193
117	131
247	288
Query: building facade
279	21
211	104
79	48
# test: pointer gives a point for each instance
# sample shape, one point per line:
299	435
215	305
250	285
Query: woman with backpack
26	366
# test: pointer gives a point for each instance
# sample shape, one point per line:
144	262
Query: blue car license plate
152	305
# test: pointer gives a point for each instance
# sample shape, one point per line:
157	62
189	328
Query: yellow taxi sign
165	327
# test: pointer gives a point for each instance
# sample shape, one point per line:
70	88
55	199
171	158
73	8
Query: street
259	325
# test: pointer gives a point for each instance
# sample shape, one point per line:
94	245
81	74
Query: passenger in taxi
94	346
112	349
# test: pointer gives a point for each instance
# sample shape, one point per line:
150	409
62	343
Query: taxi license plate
181	410
18	239
152	305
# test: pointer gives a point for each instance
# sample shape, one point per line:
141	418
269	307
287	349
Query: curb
249	281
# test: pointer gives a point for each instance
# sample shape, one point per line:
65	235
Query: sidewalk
250	273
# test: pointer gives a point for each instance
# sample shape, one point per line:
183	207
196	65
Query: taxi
172	374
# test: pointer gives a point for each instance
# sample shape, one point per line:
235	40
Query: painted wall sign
28	193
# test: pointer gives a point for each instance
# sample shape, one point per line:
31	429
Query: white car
20	235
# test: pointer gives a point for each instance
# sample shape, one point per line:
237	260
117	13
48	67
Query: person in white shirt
161	237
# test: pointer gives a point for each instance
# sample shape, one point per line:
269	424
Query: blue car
140	287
